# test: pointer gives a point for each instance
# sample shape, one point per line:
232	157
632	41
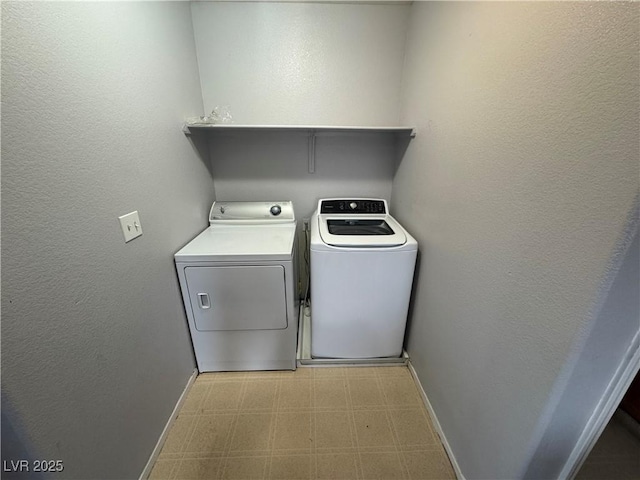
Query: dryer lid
221	243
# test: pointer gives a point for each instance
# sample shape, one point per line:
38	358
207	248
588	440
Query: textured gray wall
302	63
519	188
95	347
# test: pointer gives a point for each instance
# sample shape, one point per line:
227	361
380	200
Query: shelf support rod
312	151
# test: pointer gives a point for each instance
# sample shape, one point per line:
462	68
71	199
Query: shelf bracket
312	151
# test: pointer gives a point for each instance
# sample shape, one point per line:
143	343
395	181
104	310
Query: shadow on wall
200	144
401	145
414	294
17	457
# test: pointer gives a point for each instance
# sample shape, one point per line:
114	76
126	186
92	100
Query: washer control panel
358	206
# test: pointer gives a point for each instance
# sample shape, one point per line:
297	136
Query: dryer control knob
353	205
275	210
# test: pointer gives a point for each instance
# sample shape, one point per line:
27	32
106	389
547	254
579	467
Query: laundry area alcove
502	136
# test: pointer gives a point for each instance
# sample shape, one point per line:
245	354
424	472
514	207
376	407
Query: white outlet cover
131	226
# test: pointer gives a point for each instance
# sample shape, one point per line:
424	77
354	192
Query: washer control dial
276	210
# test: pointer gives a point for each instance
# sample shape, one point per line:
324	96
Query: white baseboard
436	424
165	432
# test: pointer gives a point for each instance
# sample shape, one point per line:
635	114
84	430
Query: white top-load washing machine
362	264
239	286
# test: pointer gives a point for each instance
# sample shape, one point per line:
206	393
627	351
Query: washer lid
241	243
345	231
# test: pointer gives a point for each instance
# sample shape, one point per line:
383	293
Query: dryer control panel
364	206
251	212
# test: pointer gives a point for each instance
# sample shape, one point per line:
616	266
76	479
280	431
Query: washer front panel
360	283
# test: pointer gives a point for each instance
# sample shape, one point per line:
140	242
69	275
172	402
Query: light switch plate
131	226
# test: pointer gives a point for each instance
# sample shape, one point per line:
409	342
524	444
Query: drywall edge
625	373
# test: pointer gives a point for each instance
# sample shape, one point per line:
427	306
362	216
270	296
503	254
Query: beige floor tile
373	429
365	392
245	468
170	456
179	434
221	376
300	373
252	432
412	427
329	372
259	394
293	431
400	391
162	469
295	467
428	465
333	430
383	466
339	423
223	396
193	402
336	466
352	372
295	394
199	469
211	434
264	375
397	371
330	393
205	378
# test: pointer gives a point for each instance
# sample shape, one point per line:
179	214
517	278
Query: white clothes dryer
239	285
362	264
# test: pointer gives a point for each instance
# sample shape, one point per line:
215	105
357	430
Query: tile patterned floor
314	423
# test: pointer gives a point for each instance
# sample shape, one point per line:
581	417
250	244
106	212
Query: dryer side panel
237	297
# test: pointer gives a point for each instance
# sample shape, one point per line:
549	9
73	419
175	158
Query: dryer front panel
237	297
